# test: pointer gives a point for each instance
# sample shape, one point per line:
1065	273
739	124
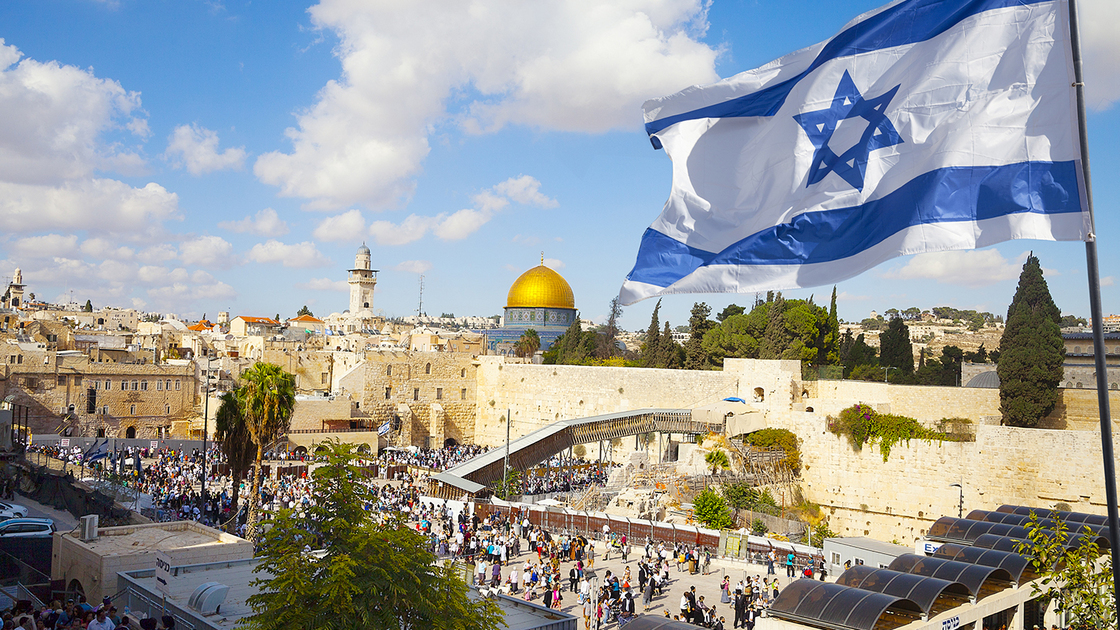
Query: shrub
778	438
863	425
711	510
758	528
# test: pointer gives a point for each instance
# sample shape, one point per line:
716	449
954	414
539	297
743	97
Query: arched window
428	368
130	433
388	370
1077	349
1079	385
759	394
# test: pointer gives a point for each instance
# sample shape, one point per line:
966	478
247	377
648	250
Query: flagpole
1096	312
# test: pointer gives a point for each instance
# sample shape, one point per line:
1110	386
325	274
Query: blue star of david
821	124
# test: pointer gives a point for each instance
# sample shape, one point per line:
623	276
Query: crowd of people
438	459
78	615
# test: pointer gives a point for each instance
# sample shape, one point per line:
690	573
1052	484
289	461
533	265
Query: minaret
15	289
362	281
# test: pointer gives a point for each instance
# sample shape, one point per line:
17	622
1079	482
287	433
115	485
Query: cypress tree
1031	351
832	334
698	325
776	338
652	344
895	349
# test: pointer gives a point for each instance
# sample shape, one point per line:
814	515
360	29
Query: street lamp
205	431
887	371
960	506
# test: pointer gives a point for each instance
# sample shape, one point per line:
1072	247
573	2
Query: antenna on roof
420	308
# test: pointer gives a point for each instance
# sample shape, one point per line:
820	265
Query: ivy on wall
863	425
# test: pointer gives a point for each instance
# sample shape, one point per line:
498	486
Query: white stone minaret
15	289
362	281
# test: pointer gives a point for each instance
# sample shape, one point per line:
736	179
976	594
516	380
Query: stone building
540	299
66	391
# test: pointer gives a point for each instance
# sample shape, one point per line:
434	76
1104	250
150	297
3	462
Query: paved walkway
706	585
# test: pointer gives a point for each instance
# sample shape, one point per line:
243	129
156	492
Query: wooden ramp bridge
473	475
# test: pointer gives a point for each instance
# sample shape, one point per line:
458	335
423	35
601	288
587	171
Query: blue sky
192	156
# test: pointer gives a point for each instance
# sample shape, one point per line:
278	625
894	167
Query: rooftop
135	539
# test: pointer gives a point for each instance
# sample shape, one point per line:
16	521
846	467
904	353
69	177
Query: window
19	359
416	394
463	373
132	410
159	385
168	385
835	557
439	393
168	411
428	368
177	384
388	370
97	384
105	410
135	386
463	394
388	393
61	380
108	384
77	381
143	386
323	378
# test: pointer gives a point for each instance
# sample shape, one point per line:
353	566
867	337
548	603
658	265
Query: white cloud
213	252
970	268
175	296
341	228
265	223
323	284
104	248
159	253
554	263
97	206
413	266
524	190
297	255
844	296
1108	281
546	64
162	276
196	148
1100	51
46	246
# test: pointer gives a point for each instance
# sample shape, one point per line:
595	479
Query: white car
11	510
27	528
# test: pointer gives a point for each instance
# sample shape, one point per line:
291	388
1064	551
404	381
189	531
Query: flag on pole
923	126
99	451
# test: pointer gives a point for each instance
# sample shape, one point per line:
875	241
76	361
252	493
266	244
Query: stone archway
450	442
130	433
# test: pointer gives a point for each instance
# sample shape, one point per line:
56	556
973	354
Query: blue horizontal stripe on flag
952	194
905	23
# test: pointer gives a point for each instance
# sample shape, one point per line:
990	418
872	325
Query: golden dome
540	287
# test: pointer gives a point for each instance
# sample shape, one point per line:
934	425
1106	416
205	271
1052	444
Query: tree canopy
1031	351
267	397
371	572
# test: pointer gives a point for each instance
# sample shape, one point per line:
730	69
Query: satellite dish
229	337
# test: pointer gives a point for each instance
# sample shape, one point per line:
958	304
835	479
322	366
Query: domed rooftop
363	249
986	380
540	287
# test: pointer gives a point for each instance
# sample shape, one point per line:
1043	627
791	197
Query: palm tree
528	344
267	397
232	434
717	459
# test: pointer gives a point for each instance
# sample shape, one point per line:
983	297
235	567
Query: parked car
11	510
27	528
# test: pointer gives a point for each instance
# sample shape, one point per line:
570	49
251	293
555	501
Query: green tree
304	311
832	334
855	353
1075	577
895	349
510	486
267	397
373	572
670	353
736	336
1070	321
776	339
717	459
88	307
608	341
528	344
730	311
695	358
1031	351
711	510
651	345
236	443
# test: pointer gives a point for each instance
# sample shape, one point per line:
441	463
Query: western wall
864	496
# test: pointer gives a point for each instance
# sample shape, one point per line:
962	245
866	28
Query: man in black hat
740	609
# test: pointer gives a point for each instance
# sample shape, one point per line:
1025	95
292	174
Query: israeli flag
926	125
99	451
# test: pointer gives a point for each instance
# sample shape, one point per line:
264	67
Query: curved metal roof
1019	567
842	607
963	530
973	576
922	590
985	380
1068	517
1013	518
1008	543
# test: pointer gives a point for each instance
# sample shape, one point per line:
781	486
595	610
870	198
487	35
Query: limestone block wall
311	413
900	498
925	403
538	395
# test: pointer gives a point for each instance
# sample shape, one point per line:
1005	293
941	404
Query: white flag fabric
923	126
